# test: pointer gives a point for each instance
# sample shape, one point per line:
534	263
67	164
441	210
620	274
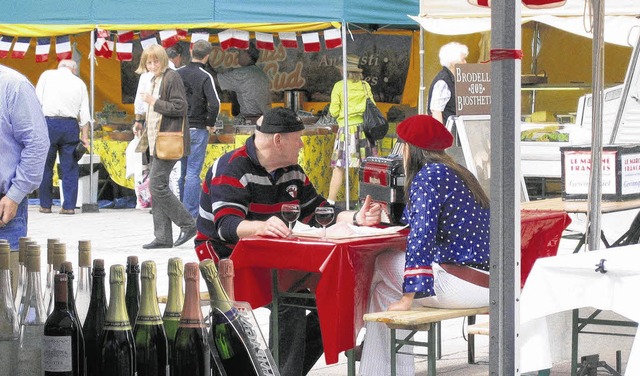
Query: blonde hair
153	51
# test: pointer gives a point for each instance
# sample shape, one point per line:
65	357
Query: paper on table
343	230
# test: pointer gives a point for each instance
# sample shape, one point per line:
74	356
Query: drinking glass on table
324	216
290	213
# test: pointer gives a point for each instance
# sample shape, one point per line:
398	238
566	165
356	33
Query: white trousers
386	288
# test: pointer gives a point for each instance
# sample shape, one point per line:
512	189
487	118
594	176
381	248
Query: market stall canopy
31	18
457	17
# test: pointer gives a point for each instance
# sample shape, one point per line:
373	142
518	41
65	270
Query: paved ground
118	233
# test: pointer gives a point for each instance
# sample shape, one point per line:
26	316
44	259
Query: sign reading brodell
473	89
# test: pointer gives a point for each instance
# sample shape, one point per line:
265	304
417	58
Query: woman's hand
148	98
404	304
369	214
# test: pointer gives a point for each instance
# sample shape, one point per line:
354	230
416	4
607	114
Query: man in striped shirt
242	196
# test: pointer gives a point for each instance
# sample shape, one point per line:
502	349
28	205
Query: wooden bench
423	319
481	329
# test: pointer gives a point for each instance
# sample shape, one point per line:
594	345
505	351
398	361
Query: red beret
424	132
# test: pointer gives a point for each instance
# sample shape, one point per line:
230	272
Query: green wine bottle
152	355
175	302
132	295
118	356
60	346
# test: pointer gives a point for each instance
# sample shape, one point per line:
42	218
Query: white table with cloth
562	283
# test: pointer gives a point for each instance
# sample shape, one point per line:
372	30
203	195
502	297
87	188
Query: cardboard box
620	172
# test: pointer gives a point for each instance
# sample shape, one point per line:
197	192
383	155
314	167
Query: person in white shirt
442	93
65	104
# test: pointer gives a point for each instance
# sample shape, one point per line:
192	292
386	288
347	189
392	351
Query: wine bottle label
117	325
148	320
172	316
191	323
228	316
57	354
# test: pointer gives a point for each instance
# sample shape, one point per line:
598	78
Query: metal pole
345	96
422	88
595	176
505	191
92	206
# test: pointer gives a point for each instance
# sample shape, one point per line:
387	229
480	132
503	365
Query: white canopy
456	17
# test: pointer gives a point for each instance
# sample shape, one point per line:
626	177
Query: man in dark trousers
442	93
204	105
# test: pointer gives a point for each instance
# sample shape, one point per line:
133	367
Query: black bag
375	126
79	151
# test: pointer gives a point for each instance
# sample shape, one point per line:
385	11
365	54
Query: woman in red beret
446	262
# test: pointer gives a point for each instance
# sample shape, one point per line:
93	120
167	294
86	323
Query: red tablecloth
345	269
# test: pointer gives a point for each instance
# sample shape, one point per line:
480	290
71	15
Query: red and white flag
182	33
332	38
264	41
199	36
541	4
102	47
125	36
124	51
233	39
480	3
288	39
149	41
63	47
5	46
43	47
311	42
146	34
20	48
169	37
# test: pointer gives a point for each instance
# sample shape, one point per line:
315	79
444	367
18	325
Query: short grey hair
201	49
70	64
452	53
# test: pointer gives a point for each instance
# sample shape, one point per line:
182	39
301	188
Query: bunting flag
102	33
63	48
234	39
102	47
264	41
146	34
125	36
199	36
149	41
538	4
5	46
169	37
182	33
43	47
124	51
20	48
332	38
311	42
288	39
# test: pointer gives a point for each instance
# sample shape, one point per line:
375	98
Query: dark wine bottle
235	341
191	354
94	323
60	346
58	257
132	296
175	302
118	356
152	353
67	268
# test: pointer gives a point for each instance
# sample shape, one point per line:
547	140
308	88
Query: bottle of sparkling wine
32	318
49	288
60	346
152	354
118	356
22	272
236	342
9	324
227	273
175	302
59	256
132	296
94	323
191	354
67	268
83	291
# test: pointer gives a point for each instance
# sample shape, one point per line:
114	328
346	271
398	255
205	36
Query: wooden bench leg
471	342
393	352
431	353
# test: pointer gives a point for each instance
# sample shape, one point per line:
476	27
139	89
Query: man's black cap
280	120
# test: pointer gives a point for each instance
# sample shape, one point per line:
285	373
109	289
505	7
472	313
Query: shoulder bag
375	126
170	145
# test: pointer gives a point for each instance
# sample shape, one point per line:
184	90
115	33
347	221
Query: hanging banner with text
473	89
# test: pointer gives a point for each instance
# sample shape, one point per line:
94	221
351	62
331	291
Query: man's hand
8	210
272	227
369	214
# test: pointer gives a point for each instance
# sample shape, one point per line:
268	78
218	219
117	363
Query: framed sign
473	89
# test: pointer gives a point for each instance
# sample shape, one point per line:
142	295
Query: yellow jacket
357	93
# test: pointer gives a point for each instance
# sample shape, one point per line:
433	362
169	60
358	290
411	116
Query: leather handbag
169	145
374	124
79	151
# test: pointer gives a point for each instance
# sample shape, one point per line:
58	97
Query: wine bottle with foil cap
49	287
234	339
9	324
60	346
32	318
118	355
152	354
94	323
67	268
23	298
83	288
59	256
175	302
132	295
227	273
191	353
22	272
